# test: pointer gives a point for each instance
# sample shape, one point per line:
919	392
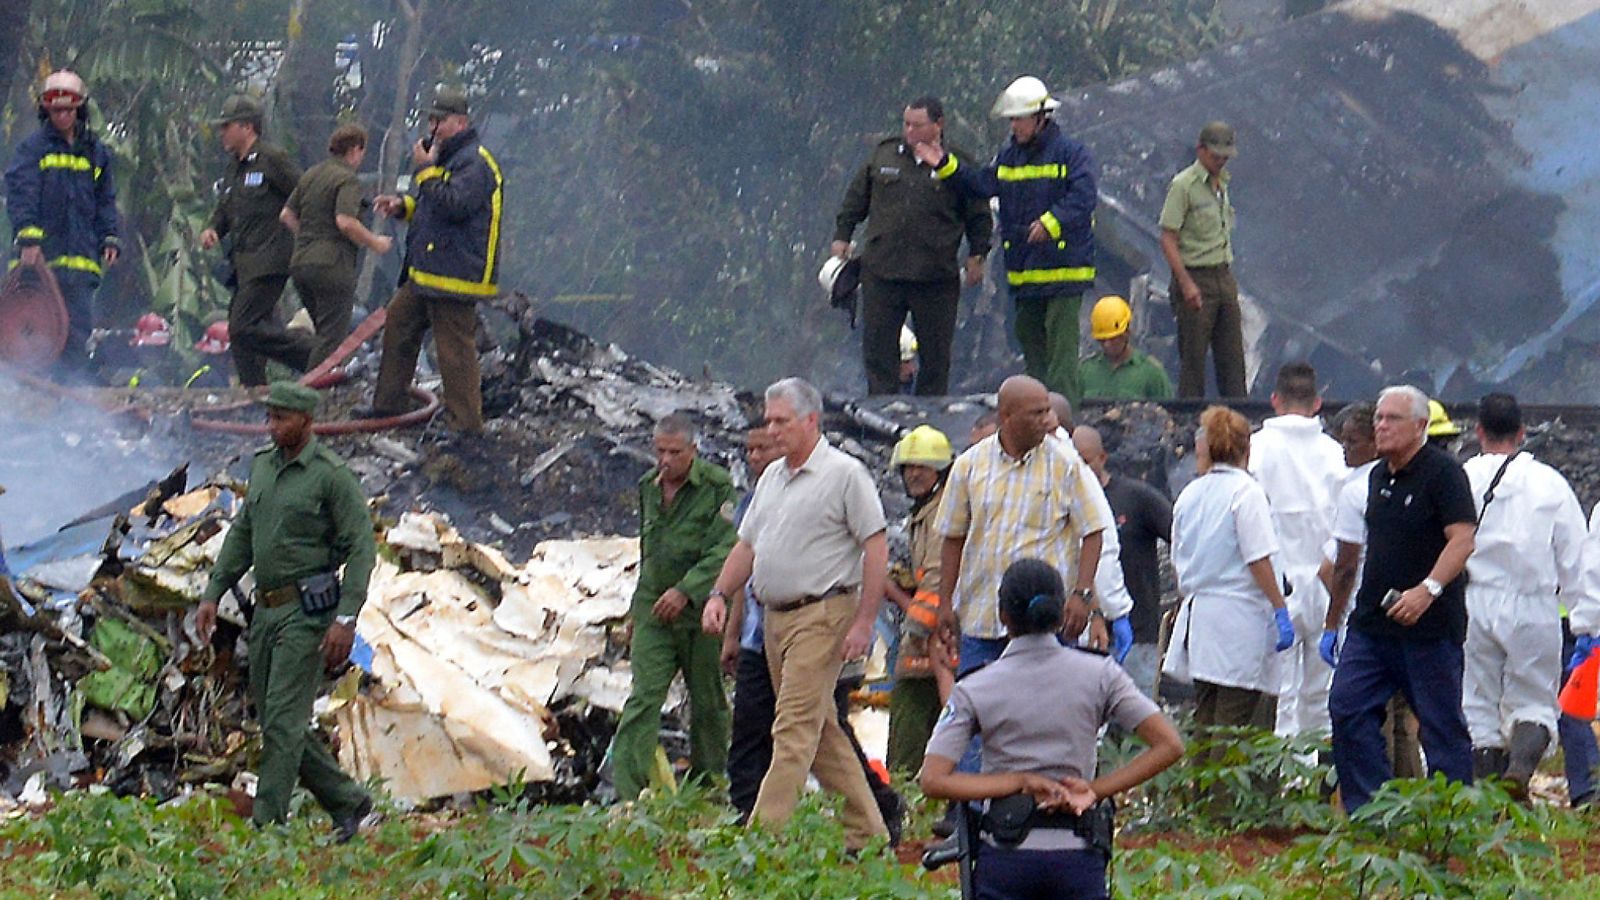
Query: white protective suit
1302	470
1529	545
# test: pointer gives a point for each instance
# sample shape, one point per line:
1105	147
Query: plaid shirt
1008	509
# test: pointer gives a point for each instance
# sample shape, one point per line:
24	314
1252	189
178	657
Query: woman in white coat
1233	623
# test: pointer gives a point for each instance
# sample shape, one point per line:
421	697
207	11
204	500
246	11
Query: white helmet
1023	97
830	272
63	89
908	344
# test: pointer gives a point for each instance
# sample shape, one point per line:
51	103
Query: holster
1009	819
319	593
1097	825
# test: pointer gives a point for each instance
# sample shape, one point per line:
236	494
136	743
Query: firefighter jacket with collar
62	198
1052	179
454	208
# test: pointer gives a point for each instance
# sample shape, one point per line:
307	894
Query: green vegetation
1417	838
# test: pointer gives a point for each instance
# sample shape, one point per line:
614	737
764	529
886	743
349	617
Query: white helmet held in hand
1023	97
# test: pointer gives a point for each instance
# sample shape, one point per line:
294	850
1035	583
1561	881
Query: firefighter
1046	185
62	200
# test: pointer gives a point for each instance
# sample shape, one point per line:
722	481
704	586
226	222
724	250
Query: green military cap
1219	139
240	108
449	101
292	396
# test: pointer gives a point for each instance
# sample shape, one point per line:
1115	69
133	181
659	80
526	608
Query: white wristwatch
344	620
1433	587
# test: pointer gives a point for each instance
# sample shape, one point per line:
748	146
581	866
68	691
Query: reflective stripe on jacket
1051	178
62	198
455	209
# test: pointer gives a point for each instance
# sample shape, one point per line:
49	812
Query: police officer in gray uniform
1037	837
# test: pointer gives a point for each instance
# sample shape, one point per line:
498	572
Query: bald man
1143	515
1062	408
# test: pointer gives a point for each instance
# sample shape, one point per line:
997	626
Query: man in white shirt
1529	547
1301	469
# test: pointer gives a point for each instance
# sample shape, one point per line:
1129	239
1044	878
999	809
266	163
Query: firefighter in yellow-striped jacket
452	261
923	671
1046	185
62	202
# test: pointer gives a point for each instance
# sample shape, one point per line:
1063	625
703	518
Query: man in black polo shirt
1420	525
1144	515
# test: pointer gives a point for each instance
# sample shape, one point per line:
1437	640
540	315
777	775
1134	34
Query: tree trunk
394	145
14	34
304	114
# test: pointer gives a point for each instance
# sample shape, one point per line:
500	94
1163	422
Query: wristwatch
717	592
344	620
1084	594
1434	588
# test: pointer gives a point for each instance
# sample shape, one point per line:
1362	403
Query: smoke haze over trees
673	166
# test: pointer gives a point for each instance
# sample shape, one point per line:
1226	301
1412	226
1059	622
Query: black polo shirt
1407	512
1143	516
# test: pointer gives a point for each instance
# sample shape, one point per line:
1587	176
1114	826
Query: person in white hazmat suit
1301	469
1529	547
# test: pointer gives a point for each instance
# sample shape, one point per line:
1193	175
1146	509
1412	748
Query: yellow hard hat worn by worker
923	445
1023	97
1439	424
1110	318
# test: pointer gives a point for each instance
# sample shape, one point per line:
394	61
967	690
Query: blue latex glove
1121	638
1285	629
1582	647
1328	647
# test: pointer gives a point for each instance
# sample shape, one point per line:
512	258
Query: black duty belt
807	600
277	597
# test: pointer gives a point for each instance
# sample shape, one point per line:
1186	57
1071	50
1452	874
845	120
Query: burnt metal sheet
1406	208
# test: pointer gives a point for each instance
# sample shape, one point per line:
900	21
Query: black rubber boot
1488	762
1528	743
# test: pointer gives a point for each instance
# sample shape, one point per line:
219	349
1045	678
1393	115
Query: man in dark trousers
259	178
303	518
909	262
1410	620
61	197
452	261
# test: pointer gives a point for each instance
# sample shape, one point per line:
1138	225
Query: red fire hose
325	375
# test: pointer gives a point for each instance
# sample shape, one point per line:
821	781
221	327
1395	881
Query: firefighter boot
1488	762
1528	743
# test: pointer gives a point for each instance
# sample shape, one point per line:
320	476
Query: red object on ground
33	318
1579	695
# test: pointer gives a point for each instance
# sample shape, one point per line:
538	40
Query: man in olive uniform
452	262
685	533
909	263
1120	371
259	178
1197	243
324	212
303	517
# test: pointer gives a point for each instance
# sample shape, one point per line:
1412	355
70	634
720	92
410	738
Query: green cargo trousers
913	711
659	651
285	672
1047	329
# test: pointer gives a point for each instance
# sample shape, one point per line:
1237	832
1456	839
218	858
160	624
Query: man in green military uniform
324	212
1197	243
258	180
685	533
303	517
909	260
1118	371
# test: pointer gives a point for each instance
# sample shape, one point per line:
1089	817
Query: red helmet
151	331
215	340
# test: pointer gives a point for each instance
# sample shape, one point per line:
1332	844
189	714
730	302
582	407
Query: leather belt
807	600
277	597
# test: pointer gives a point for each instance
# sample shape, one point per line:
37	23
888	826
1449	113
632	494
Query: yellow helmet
923	445
1110	318
1439	424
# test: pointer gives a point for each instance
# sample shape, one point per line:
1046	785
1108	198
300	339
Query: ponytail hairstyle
1032	596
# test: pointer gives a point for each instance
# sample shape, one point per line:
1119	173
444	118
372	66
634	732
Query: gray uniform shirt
807	526
1039	708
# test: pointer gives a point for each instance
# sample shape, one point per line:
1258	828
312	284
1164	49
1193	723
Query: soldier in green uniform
1119	371
303	517
324	212
685	533
252	191
909	260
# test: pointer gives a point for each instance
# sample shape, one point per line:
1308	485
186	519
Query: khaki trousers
803	647
1218	326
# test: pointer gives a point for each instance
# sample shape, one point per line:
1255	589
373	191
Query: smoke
61	458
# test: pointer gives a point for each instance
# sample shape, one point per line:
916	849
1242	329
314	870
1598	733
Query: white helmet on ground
1023	97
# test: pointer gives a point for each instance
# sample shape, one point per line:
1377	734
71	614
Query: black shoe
947	825
345	829
1528	743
